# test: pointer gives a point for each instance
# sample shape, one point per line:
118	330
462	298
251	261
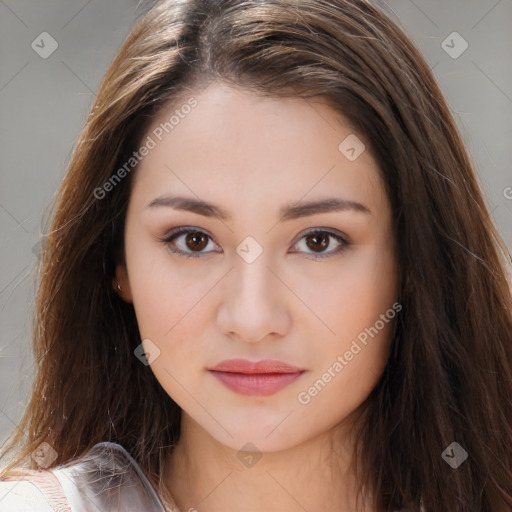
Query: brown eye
196	241
318	241
190	242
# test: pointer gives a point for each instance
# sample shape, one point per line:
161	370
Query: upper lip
264	366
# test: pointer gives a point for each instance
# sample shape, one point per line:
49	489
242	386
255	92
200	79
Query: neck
204	475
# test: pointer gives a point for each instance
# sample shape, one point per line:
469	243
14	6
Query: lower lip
256	384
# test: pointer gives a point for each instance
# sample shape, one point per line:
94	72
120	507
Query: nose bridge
254	283
253	305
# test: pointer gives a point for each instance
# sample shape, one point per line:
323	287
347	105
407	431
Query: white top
104	479
22	496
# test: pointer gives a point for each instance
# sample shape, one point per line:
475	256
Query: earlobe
121	284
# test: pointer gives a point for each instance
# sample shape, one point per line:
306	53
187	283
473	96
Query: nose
254	303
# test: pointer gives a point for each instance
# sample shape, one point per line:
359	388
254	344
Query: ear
122	280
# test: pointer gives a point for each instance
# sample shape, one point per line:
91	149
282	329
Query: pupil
324	241
196	241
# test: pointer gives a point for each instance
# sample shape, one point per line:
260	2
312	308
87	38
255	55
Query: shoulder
103	475
25	489
22	496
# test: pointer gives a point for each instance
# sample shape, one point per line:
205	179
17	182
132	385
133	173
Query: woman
271	277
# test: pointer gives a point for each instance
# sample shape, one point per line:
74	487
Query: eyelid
175	232
185	229
343	240
320	229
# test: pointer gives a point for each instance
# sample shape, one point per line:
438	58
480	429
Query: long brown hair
449	375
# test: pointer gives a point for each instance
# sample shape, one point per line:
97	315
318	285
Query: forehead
264	148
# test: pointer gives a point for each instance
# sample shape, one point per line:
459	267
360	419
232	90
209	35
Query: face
254	232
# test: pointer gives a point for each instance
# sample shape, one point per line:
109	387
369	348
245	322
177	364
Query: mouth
261	378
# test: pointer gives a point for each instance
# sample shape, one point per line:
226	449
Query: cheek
166	297
350	294
350	302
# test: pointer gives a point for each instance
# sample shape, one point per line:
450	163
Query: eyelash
175	233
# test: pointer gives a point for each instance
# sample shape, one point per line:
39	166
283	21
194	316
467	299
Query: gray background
44	103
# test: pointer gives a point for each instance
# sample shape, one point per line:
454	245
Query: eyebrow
288	212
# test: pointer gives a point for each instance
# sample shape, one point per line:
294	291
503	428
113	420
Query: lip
246	366
255	378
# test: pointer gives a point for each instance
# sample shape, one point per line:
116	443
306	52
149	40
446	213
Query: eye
193	243
318	241
189	242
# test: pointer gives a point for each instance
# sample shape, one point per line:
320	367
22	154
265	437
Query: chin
264	437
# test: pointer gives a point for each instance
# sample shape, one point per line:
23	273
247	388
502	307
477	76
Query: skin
251	156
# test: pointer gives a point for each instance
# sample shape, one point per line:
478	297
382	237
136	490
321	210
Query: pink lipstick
260	378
